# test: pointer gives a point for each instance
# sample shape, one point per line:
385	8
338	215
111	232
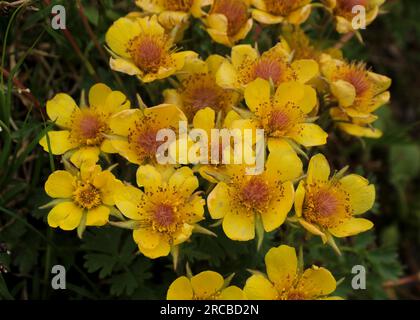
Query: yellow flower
205	119
198	88
81	197
295	41
342	10
141	47
83	130
135	131
242	199
278	11
165	213
207	285
359	92
328	206
247	64
283	116
228	21
285	282
171	13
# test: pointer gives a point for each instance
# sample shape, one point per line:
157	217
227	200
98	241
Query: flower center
279	120
88	127
255	193
345	7
87	196
267	69
358	79
178	5
164	218
149	51
327	206
201	91
282	7
142	139
236	12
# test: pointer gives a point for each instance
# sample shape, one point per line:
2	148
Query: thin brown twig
344	39
76	48
403	281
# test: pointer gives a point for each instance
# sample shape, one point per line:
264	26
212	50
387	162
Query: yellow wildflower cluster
282	92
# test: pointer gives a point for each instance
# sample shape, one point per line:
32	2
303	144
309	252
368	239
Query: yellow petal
344	92
282	162
98	94
115	102
107	147
183	235
243	31
169	115
59	142
121	122
206	283
265	17
60	184
317	282
98	216
226	76
300	15
278	208
161	250
106	182
313	229
148	177
183	181
180	289
258	287
128	200
146	237
308	134
171	96
381	83
85	155
218	201
204	119
238	226
60	108
242	53
232	293
257	94
301	95
359	131
124	66
119	35
281	264
299	198
65	215
361	193
305	69
351	227
318	169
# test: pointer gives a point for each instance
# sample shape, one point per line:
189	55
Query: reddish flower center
347	5
268	69
164	215
325	204
358	79
147	142
279	120
255	193
236	12
148	52
89	127
282	7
